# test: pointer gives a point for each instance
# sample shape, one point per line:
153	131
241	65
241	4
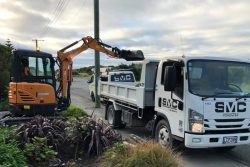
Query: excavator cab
32	87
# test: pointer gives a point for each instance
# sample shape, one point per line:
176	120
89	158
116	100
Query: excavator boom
65	59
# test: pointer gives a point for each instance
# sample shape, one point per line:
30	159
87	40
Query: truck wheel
114	117
92	96
163	134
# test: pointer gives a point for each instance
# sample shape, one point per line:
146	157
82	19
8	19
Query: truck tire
114	117
92	96
163	134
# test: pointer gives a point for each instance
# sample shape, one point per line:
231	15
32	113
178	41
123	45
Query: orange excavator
34	89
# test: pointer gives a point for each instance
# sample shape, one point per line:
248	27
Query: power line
56	14
61	9
76	13
62	5
50	18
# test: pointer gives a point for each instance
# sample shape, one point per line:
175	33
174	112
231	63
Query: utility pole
97	54
36	40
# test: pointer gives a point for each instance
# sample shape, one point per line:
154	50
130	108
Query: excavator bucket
132	55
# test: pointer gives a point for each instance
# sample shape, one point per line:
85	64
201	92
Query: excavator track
7	119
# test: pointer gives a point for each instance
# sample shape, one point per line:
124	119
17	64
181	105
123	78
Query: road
238	157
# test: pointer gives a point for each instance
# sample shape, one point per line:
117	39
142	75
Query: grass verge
147	155
81	75
72	113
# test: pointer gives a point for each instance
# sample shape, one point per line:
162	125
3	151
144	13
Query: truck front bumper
214	140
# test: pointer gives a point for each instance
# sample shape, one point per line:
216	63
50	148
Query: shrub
38	152
41	138
72	113
146	155
84	135
75	73
94	136
29	134
6	134
4	106
114	156
10	154
53	131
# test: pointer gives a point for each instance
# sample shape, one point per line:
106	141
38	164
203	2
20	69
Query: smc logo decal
122	78
172	104
230	109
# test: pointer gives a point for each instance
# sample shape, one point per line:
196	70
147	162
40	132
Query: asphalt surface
238	157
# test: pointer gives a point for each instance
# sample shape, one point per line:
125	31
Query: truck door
170	103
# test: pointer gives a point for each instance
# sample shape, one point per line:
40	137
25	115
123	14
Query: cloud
159	28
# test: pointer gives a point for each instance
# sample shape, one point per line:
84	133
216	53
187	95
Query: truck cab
204	101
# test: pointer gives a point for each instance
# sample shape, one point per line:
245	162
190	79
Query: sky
159	28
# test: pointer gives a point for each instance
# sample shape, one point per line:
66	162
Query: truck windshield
219	78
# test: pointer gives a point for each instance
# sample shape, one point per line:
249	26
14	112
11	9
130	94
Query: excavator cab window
38	67
31	66
25	66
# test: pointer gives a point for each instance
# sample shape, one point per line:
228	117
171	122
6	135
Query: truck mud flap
127	117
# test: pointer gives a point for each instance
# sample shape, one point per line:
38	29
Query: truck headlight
195	121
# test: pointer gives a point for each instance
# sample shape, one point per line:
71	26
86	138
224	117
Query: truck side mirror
170	78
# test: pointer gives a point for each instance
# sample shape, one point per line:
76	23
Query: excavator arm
65	59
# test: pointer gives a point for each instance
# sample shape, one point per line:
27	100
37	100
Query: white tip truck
202	101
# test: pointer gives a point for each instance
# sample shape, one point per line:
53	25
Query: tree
5	63
136	68
9	44
10	48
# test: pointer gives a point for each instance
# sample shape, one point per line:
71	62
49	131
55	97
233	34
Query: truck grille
25	97
227	131
226	125
229	120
